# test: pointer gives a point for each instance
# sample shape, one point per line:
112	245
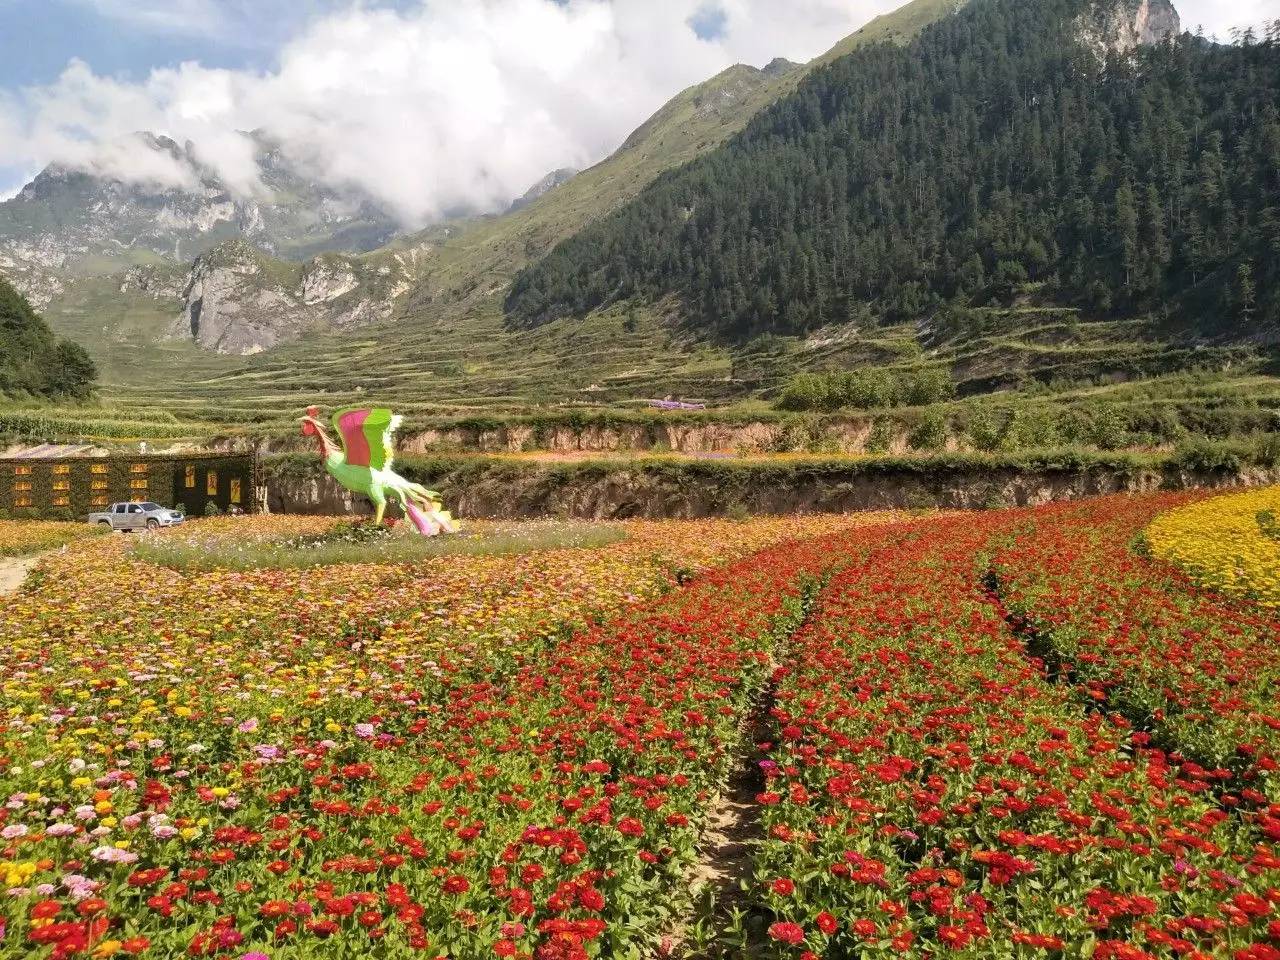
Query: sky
429	106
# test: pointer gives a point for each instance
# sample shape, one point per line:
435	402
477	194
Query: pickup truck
137	515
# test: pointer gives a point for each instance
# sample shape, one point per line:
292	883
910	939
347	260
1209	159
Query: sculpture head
312	427
311	423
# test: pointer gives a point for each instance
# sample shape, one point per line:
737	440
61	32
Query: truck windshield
148	507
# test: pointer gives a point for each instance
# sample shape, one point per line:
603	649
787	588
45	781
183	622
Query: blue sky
487	94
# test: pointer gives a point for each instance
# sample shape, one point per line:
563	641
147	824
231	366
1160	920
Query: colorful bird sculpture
363	465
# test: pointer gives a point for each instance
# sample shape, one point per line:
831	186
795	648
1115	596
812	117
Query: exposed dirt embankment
611	435
661	489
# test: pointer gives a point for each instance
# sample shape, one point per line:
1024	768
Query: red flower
788	933
866	929
827	923
457	884
45	910
953	936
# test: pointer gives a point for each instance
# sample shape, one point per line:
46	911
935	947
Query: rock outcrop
1121	26
236	299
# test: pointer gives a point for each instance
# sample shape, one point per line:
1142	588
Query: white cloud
442	106
431	107
1217	17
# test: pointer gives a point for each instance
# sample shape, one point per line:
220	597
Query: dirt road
13	570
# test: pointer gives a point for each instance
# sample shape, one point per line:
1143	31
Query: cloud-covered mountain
69	222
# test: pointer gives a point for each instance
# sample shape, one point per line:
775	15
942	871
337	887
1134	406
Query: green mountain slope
482	259
33	361
1015	141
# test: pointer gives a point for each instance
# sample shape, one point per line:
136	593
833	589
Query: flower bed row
1197	669
930	791
548	811
1230	544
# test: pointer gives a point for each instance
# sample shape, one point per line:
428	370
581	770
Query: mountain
34	361
544	186
68	223
1013	143
437	275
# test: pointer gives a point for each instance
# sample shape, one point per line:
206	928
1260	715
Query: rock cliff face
1121	26
68	223
238	300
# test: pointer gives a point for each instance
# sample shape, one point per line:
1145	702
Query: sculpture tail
426	526
431	521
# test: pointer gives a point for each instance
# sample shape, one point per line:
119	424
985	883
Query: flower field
1007	734
929	789
18	537
1198	670
1231	544
180	749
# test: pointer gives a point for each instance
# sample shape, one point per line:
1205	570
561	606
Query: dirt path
13	570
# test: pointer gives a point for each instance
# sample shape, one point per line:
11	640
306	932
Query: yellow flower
1229	543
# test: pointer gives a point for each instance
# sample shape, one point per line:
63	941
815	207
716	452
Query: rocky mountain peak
779	66
544	186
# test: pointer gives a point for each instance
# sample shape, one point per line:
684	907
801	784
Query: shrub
930	433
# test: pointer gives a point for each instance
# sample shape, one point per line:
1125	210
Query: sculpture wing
366	436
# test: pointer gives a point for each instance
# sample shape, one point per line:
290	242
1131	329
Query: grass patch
363	543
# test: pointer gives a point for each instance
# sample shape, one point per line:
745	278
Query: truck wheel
153	524
105	523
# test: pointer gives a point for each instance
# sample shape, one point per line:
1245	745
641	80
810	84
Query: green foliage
34	361
992	151
866	389
881	437
930	433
